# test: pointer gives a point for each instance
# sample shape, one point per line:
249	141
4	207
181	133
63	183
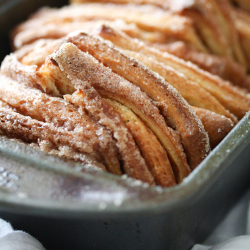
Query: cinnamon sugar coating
167	99
15	125
193	93
222	66
68	58
108	84
84	133
217	126
153	152
241	19
212	21
148	18
232	98
117	93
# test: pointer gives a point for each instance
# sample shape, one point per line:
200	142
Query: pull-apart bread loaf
142	88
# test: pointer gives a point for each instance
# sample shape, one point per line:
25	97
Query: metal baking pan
67	206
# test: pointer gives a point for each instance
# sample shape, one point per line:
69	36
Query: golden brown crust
225	18
110	85
39	106
152	151
211	35
52	31
175	110
123	104
164	4
87	98
232	98
221	66
37	45
218	33
54	74
148	18
64	152
223	21
32	77
15	125
224	67
37	53
217	126
242	23
29	75
193	93
134	164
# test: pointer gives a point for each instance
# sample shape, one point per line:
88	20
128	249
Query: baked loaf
112	85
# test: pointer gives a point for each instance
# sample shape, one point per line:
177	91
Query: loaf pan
69	206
